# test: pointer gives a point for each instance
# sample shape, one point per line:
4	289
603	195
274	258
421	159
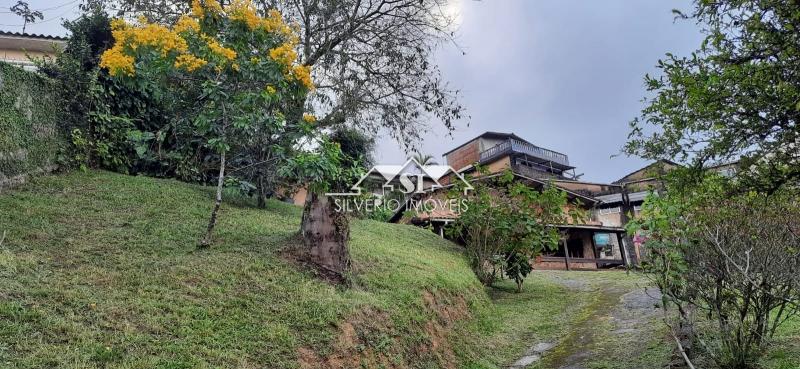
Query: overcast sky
565	75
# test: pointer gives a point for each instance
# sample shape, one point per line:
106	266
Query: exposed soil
354	346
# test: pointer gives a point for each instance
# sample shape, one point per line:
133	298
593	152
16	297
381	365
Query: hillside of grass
100	268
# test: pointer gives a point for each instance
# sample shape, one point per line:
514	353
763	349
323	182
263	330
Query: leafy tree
357	149
736	95
727	248
372	63
506	223
726	262
371	59
28	16
243	65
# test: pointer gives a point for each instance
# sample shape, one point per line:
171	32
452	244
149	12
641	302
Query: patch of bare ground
369	339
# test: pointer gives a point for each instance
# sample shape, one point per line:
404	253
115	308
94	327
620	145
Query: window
604	211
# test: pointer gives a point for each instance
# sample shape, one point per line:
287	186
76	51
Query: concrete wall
19	56
610	220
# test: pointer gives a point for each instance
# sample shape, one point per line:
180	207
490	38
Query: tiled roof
32	35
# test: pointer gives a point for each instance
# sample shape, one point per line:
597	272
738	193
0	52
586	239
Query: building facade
598	242
18	48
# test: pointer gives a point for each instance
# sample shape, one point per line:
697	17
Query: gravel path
618	324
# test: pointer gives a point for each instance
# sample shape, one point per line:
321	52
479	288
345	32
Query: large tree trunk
326	233
206	240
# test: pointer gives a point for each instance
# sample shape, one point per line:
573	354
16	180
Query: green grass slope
101	270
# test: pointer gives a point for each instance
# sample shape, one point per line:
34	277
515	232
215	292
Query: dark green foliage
725	262
508	222
30	135
739	94
356	146
517	266
122	127
357	149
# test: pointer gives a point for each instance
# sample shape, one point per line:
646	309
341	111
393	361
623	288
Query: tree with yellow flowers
241	68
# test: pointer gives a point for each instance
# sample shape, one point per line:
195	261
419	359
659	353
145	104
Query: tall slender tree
22	9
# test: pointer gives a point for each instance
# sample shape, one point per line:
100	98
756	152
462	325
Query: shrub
728	259
507	223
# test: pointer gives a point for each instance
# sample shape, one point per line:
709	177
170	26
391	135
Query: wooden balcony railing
516	146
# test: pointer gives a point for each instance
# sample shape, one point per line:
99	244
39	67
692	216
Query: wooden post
622	249
566	252
594	252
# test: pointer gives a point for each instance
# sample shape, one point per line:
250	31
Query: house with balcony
591	244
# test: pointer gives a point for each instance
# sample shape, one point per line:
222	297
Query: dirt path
618	328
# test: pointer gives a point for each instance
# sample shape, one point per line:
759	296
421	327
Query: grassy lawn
785	352
515	321
100	270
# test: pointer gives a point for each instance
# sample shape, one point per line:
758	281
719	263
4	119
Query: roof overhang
26	42
592	227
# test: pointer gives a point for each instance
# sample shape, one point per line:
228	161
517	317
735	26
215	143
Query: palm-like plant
424	159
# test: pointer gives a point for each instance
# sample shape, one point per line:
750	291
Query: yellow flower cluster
303	74
271	90
274	23
170	43
117	62
309	118
186	23
245	12
189	62
148	34
201	8
161	38
284	54
218	49
118	24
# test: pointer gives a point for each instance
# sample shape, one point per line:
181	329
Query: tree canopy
240	69
737	96
372	60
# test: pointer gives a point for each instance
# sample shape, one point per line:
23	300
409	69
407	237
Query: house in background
597	242
16	48
622	199
587	245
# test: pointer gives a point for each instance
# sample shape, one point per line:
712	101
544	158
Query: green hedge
30	136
